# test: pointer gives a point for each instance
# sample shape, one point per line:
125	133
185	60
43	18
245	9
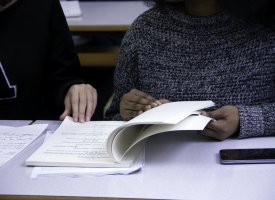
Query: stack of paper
76	172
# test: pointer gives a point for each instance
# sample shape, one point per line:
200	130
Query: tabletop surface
108	13
178	166
15	123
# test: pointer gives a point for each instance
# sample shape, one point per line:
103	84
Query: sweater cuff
251	121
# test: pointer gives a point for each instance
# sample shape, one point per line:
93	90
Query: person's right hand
136	102
80	102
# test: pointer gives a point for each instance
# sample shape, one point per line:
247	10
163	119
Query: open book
115	143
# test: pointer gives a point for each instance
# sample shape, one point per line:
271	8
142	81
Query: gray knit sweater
230	61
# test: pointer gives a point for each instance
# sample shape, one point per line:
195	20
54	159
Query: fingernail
147	107
158	102
81	119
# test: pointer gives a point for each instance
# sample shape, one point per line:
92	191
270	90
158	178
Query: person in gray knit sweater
194	50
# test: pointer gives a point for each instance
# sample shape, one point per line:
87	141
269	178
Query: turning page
181	115
116	143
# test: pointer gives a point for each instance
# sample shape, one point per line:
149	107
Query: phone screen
247	156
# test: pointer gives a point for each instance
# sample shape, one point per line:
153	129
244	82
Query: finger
91	103
64	114
74	96
89	108
211	126
163	101
142	97
141	100
137	92
205	114
67	110
148	107
159	102
209	133
134	106
214	125
155	104
214	130
94	102
137	100
216	114
82	103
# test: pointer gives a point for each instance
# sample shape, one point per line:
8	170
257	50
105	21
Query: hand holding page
115	143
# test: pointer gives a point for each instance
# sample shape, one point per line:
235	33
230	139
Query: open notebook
116	143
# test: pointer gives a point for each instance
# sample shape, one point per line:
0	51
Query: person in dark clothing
39	65
194	50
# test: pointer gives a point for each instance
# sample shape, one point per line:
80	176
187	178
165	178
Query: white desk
107	15
15	123
178	166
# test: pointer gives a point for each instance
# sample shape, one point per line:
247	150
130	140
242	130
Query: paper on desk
14	139
77	172
71	8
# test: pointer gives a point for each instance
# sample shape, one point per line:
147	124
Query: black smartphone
247	156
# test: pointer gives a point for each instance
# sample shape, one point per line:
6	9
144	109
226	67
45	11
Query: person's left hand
225	122
80	102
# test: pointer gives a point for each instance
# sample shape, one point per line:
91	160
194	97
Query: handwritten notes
14	139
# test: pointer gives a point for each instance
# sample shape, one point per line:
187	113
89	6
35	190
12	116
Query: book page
130	138
170	113
14	139
77	144
77	172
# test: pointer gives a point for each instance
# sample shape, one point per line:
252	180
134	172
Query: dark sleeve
63	64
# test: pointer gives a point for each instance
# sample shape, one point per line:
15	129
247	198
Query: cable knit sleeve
257	120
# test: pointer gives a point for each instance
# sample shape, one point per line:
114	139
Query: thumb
67	110
205	114
216	114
